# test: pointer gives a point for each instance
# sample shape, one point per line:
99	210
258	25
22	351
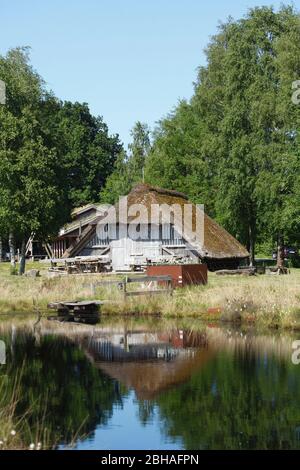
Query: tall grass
16	433
27	429
272	300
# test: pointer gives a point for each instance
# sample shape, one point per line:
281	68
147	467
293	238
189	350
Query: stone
33	273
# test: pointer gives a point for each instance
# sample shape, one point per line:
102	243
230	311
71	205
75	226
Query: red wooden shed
182	275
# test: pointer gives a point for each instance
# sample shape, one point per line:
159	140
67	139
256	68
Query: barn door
117	255
121	254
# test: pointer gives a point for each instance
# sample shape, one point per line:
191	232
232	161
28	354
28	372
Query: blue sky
129	60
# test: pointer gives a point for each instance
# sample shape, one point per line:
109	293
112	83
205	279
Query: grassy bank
265	300
18	432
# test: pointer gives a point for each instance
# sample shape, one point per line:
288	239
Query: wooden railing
165	281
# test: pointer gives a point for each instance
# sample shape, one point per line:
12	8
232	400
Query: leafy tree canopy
53	155
235	145
129	169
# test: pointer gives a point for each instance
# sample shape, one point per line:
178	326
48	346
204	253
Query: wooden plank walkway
88	311
79	312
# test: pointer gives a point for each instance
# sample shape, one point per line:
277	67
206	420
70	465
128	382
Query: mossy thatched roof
217	243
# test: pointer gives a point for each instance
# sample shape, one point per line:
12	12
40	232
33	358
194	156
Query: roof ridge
142	187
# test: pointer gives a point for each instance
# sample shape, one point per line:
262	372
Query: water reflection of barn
128	346
149	362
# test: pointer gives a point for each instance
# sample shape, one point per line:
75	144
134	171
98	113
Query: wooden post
22	258
251	246
125	288
170	286
280	252
93	289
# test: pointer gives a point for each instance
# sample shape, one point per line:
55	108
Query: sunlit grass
270	300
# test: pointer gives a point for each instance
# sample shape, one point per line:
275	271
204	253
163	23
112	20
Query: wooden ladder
29	242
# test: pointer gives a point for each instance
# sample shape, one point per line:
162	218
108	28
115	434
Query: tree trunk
251	246
22	259
1	250
280	251
12	251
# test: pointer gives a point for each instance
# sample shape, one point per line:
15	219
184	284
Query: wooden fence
165	281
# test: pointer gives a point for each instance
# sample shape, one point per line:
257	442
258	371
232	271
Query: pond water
135	385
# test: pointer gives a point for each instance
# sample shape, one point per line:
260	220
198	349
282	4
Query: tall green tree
118	183
32	198
89	152
182	157
238	134
278	182
255	132
139	150
129	169
53	155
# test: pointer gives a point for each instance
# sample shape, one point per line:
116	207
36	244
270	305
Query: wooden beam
148	292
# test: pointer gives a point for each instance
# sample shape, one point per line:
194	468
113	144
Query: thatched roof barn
216	246
217	243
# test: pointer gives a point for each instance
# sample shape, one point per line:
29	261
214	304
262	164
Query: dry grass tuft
267	300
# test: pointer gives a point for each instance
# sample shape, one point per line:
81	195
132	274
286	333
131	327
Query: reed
17	432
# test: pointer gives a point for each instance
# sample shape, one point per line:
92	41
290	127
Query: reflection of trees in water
229	400
60	387
246	402
146	411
